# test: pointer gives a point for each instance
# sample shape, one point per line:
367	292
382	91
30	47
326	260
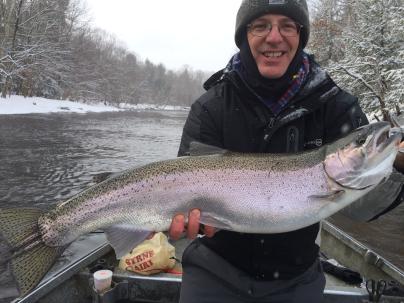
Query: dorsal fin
200	149
100	177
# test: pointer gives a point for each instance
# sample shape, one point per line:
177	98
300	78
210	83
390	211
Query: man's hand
399	162
178	226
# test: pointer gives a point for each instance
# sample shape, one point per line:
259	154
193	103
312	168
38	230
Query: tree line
47	50
361	43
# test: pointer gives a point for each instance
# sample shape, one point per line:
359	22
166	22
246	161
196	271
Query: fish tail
24	257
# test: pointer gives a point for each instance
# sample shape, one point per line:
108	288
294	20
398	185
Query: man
271	97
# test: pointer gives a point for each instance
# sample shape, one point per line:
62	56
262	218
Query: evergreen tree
373	64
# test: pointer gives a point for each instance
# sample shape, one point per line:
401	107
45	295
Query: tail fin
24	257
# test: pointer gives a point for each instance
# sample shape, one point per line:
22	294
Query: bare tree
47	49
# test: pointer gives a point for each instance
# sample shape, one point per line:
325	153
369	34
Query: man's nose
274	36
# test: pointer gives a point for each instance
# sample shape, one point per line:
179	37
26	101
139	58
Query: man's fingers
193	223
209	231
177	227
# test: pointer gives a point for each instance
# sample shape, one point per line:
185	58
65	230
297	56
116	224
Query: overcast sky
199	34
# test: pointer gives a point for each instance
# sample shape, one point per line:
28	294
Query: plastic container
102	280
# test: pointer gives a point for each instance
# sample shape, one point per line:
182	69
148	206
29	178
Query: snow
13	105
21	105
142	106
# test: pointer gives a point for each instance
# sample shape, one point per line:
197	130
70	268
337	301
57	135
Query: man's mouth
273	54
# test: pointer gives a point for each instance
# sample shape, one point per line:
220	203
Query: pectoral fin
331	195
123	238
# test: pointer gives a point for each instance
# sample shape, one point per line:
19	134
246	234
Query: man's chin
271	72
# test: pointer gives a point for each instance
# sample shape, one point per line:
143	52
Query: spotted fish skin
235	189
252	193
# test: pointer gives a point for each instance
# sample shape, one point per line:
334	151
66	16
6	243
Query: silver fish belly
253	193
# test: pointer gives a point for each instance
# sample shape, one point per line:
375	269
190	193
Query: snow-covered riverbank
19	105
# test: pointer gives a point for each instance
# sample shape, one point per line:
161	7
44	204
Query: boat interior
71	278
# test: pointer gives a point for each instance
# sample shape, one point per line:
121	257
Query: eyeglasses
286	29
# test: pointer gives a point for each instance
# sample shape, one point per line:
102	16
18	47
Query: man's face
273	52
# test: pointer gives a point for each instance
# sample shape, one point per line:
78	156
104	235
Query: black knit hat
252	9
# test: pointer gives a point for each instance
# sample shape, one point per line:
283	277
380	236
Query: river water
49	157
46	158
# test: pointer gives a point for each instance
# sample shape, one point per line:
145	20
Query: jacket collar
317	77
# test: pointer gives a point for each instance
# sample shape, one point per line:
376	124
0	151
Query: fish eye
361	141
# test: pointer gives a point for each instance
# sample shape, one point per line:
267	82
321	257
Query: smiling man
271	97
273	50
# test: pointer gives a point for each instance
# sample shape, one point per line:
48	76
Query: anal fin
211	220
123	238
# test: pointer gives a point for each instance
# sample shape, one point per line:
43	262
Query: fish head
367	159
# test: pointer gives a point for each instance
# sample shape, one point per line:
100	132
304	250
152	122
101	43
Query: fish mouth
379	140
367	160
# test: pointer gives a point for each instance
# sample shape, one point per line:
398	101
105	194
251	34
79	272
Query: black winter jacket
229	115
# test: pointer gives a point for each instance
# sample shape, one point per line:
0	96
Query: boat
71	277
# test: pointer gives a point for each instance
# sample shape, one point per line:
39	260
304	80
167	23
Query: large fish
250	193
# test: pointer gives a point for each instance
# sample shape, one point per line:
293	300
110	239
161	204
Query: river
46	158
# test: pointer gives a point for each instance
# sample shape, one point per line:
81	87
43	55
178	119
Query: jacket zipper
292	143
269	128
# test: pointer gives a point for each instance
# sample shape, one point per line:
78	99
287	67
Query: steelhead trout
249	193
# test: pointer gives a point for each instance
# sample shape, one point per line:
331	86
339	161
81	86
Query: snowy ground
21	105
